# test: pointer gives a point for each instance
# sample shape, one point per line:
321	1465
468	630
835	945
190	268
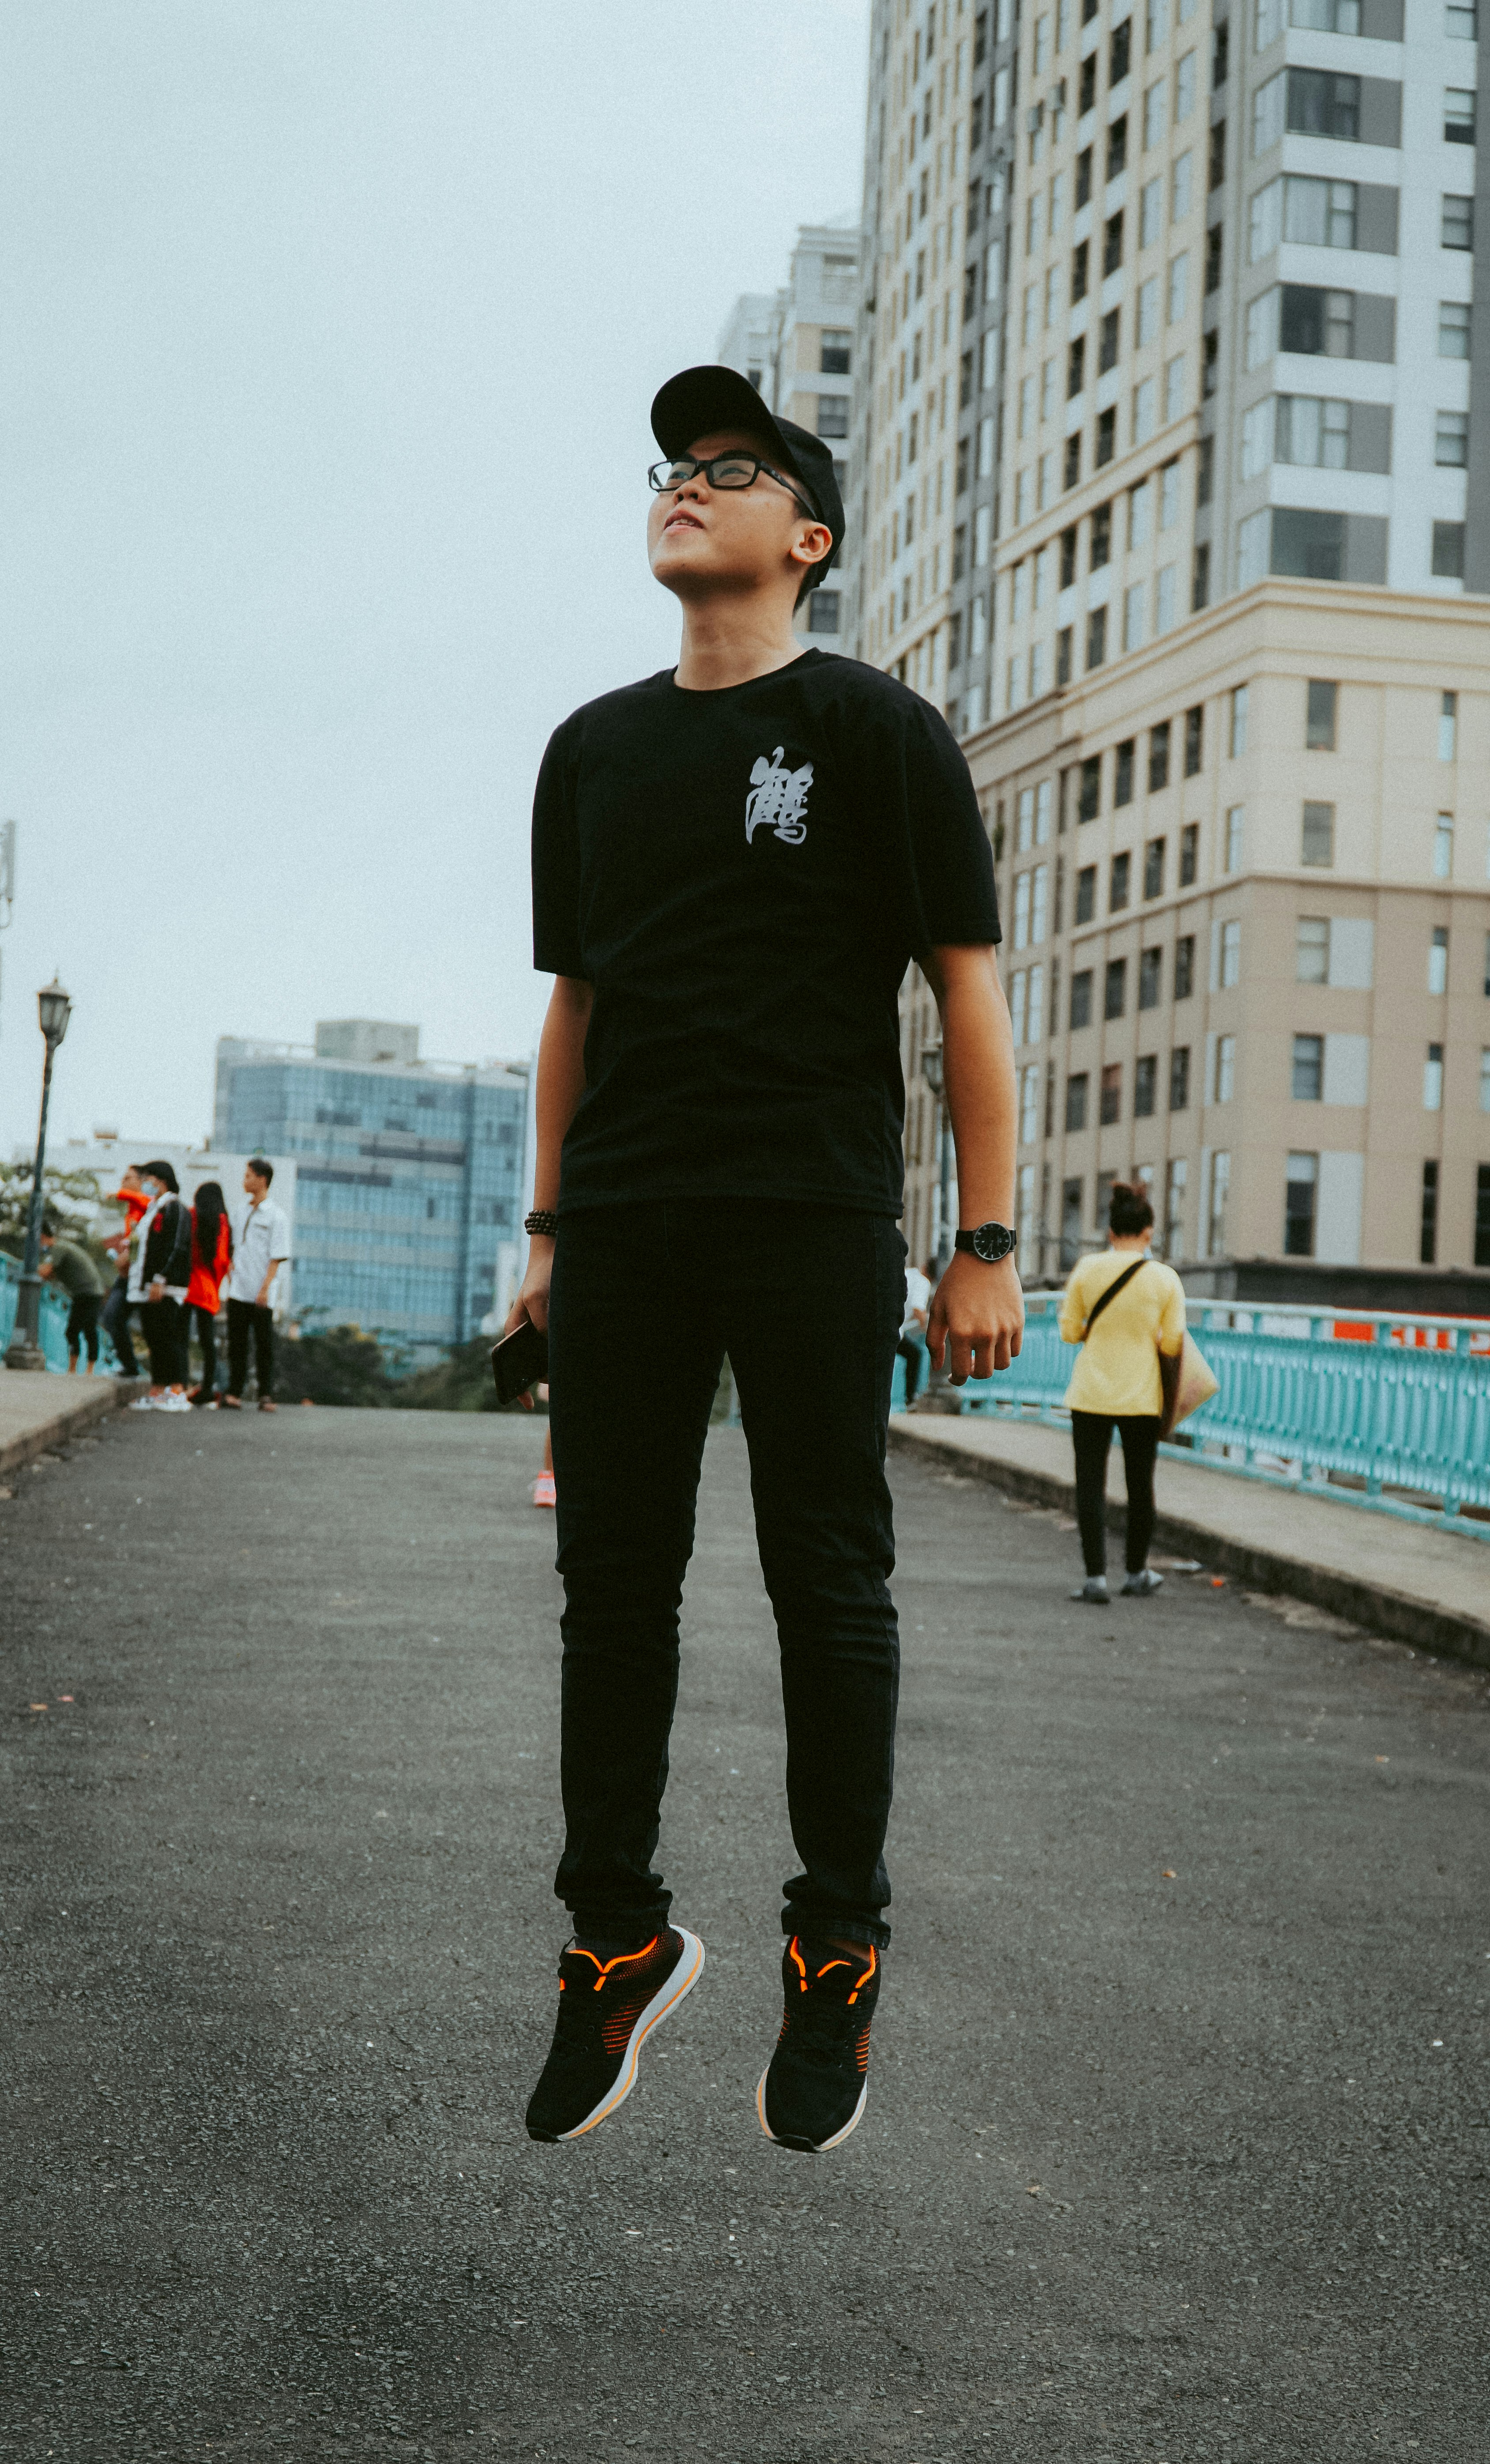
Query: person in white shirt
260	1245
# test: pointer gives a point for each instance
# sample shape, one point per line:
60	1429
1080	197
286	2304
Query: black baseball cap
699	399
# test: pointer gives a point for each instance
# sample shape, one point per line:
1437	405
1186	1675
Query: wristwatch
989	1242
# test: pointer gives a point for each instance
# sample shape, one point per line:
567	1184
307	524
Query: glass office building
410	1176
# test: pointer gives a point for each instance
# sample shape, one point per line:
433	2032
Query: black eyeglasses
725	471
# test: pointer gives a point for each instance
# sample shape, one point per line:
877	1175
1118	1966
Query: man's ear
814	542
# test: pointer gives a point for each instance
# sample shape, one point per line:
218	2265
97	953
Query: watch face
992	1241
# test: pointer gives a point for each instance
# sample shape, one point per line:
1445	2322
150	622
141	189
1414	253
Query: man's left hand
977	1318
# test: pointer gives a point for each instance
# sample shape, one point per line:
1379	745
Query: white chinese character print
778	800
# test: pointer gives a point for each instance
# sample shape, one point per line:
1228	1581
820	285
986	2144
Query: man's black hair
261	1165
48	1227
161	1170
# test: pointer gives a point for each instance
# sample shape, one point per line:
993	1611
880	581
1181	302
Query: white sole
827	2145
684	1976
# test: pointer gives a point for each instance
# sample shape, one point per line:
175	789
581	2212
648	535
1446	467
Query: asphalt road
1176	2140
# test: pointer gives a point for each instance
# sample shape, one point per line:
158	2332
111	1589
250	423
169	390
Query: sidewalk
38	1410
1394	1577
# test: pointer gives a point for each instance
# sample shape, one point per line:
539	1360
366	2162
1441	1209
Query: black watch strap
989	1242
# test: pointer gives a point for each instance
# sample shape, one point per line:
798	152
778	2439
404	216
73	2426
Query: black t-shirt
743	877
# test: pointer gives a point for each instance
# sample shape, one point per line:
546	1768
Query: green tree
335	1365
71	1198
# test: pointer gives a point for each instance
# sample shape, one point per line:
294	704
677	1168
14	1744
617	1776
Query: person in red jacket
211	1256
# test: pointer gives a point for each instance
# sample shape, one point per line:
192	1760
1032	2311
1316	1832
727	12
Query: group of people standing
175	1263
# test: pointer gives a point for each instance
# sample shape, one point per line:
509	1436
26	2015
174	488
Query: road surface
1176	2142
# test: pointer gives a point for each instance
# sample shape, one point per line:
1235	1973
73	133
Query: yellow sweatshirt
1118	1371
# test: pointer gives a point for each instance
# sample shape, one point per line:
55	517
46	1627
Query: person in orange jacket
131	1198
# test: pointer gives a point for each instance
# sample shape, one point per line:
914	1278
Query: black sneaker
812	2093
606	2010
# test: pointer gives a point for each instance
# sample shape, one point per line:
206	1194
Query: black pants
1091	1435
82	1323
242	1315
115	1323
206	1337
646	1302
163	1326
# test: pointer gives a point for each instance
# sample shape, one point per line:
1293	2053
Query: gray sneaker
1139	1586
1094	1590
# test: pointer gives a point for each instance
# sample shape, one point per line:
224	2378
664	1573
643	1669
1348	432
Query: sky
330	329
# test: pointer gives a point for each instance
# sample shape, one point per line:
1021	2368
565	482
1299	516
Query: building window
1089	795
1111	1105
1319	835
1107	437
1432	1079
833	416
1456	225
1448	726
1306	1084
1453	329
1179	1079
1154	869
1319	729
1311	950
1096	637
1428	1217
1174	1185
1439	960
1483	1211
1145	1082
1232	842
1224	1078
1443	848
1123	774
1101	539
1081	999
822	611
1195	740
1151	979
1237	739
1119	882
835	357
1299	1206
1087	893
1076	1101
1220	1191
1229	956
1458	116
1029	1104
1189	853
1158	757
1448	551
1183	966
1451	440
1115	989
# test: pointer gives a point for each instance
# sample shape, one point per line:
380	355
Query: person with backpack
211	1256
1127	1311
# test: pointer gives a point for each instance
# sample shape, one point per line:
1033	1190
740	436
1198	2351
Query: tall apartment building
408	1174
798	348
1205	625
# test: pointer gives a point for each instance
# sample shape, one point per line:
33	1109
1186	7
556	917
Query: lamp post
931	1071
53	1010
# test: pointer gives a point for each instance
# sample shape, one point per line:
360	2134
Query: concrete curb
111	1395
1367	1604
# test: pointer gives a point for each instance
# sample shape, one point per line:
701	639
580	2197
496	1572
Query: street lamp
54	1009
933	1072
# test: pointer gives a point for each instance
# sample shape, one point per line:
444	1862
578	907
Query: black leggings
206	1337
1091	1435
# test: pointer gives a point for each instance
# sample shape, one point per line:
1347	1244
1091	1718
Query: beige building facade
1245	875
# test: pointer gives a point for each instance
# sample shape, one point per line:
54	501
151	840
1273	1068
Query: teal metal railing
1377	1410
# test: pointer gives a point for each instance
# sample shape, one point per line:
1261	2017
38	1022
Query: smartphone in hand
520	1360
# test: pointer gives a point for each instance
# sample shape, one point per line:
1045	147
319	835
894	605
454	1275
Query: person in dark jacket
159	1274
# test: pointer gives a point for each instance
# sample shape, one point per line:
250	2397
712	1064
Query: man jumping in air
733	863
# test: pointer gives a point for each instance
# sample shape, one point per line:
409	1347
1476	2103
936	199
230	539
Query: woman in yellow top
1117	1377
